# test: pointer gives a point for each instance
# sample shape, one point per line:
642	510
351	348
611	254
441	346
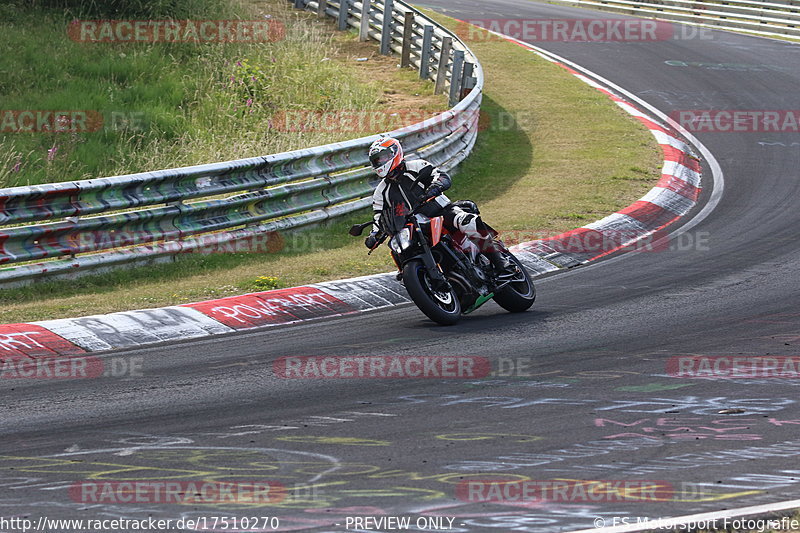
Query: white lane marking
670	524
717	175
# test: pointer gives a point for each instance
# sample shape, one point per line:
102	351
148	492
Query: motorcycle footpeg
507	274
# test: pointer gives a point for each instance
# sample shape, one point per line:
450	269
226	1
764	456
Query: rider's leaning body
418	181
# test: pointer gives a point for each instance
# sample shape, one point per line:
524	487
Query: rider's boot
502	266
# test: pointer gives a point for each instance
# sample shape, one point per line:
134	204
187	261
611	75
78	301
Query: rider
418	181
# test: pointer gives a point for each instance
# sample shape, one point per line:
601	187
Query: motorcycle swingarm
465	268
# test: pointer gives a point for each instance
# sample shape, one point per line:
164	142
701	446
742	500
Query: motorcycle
444	273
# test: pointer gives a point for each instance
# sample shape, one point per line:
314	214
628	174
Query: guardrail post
408	29
444	58
386	33
322	5
425	53
455	77
344	8
466	79
363	32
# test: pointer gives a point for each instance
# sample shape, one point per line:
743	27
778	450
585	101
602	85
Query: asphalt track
598	341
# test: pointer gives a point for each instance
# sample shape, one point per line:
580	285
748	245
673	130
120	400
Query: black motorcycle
445	274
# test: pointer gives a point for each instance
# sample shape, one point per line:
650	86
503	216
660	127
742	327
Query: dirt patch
401	88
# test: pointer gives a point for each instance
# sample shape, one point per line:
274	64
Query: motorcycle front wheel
442	307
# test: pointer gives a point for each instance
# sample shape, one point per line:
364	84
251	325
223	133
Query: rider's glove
432	192
372	240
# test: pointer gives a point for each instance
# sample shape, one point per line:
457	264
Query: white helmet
385	155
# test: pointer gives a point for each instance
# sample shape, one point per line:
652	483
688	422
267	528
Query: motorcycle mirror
358	229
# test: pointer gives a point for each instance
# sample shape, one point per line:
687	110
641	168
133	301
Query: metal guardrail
773	18
49	229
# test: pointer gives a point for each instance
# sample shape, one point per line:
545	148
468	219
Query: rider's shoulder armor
417	165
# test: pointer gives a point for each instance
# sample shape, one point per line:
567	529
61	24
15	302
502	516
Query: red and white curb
674	195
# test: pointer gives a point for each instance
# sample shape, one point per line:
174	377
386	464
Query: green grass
573	157
186	103
576	157
128	8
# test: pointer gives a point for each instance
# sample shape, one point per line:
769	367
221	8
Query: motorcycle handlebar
420	206
381	238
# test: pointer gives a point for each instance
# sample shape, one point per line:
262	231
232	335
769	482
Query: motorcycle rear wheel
441	307
517	296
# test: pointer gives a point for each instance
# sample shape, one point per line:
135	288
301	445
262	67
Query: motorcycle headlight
401	241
